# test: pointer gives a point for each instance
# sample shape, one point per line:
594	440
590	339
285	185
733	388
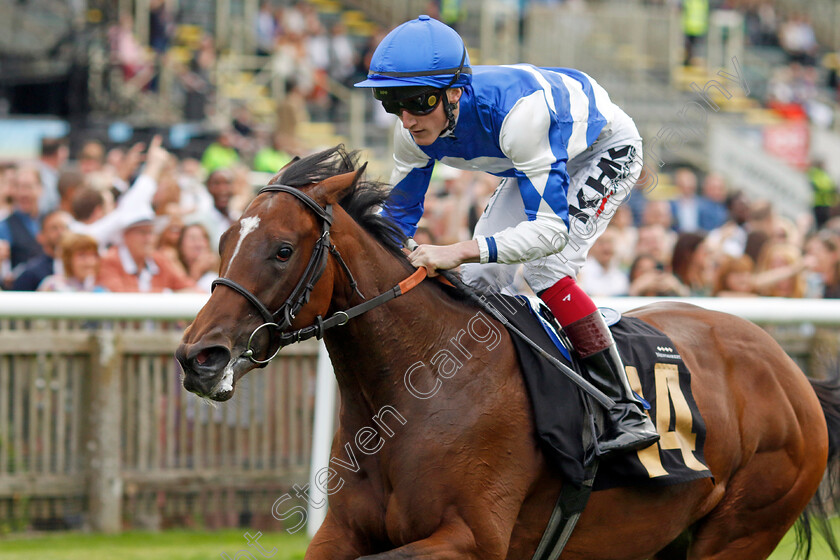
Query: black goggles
417	103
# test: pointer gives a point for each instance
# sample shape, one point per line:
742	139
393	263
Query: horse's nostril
210	359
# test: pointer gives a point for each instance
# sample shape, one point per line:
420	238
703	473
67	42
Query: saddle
562	414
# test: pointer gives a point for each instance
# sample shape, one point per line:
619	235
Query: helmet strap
449	109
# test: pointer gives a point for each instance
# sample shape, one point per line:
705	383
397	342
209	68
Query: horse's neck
372	352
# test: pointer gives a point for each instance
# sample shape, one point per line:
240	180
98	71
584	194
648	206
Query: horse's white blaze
225	384
246	226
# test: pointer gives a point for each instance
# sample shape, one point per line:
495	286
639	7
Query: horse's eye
284	254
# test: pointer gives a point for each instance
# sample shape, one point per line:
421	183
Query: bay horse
458	473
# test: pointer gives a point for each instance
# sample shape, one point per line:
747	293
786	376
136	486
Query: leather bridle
282	319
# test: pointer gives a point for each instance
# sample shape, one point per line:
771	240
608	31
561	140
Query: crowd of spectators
805	82
704	240
138	219
132	219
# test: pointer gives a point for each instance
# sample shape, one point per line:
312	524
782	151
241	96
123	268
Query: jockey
568	157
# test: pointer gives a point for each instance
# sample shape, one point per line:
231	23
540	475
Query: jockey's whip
573	376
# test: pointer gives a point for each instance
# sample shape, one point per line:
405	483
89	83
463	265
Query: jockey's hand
444	257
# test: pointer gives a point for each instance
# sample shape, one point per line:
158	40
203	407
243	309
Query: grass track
193	545
168	545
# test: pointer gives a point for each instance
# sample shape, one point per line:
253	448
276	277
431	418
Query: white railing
36	305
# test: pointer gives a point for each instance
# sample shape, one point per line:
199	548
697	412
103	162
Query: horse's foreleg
452	541
333	542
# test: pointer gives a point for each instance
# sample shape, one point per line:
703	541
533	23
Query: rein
282	319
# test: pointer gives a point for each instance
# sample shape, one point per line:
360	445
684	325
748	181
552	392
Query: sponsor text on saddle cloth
656	372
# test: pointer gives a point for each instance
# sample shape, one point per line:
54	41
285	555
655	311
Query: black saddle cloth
560	413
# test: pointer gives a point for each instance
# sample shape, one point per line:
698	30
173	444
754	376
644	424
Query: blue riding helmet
420	52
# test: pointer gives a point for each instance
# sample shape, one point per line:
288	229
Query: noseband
282	319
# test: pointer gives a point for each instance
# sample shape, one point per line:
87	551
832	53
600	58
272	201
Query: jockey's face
425	129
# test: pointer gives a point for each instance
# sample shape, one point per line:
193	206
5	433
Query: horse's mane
361	203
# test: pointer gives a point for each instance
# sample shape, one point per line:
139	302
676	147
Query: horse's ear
330	191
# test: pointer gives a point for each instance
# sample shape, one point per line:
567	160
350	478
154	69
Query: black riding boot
629	428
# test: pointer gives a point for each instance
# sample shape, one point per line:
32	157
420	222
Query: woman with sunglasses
568	157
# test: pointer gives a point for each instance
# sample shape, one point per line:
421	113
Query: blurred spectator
481	188
424	237
822	254
54	154
243	191
91	157
6	206
91	217
161	26
7	172
221	153
648	278
293	18
658	212
792	90
167	240
197	257
291	111
654	240
80	266
761	23
70	181
825	192
686	207
785	231
134	266
126	50
731	238
242	123
342	63
20	229
53	226
317	47
218	218
124	165
734	277
273	157
87	205
760	228
194	198
712	211
797	38
780	271
602	277
626	236
197	81
265	29
756	242
692	264
695	25
343	57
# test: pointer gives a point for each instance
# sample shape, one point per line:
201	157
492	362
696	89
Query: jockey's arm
411	176
533	142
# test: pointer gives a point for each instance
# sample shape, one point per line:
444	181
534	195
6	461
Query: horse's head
274	277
